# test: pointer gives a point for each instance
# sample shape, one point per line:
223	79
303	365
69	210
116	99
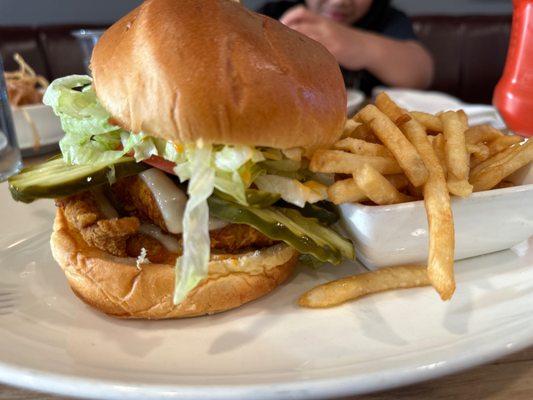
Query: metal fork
8	298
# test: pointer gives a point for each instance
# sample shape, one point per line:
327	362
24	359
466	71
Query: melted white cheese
171	201
104	205
169	198
169	242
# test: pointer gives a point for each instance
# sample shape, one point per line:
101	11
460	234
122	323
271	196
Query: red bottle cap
513	96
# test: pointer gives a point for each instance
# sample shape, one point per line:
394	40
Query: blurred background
24	12
467	38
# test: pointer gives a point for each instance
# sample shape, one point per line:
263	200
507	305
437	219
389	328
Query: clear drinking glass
87	39
10	160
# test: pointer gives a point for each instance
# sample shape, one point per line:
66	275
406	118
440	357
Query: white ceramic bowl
354	101
46	122
485	222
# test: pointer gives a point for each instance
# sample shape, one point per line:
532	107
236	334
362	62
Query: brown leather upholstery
63	53
469	51
51	50
23	41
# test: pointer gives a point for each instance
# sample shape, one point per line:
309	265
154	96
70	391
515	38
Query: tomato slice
161	163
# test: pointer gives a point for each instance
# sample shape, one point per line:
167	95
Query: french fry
396	142
347	191
459	187
364	132
402	119
391	109
457	158
358	146
438	210
353	287
349	127
502	143
439	147
377	188
341	162
463	117
429	121
416	193
495	160
399	181
481	134
504	184
488	178
480	151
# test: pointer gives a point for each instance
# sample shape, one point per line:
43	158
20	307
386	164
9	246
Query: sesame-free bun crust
118	288
212	70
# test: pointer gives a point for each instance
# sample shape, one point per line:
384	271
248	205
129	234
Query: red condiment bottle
513	96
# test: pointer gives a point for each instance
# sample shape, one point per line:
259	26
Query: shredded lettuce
231	158
233	166
170	151
141	145
83	149
193	265
89	137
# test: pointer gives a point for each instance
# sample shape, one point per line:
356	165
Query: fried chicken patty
83	213
121	236
137	199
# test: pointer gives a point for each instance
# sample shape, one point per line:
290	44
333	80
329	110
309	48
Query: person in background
373	42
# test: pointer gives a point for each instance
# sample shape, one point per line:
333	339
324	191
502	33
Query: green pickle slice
307	235
54	178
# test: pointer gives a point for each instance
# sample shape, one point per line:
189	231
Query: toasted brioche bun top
210	69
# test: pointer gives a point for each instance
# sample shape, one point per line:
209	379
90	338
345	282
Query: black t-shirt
381	18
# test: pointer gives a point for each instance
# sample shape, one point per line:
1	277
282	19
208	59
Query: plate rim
346	385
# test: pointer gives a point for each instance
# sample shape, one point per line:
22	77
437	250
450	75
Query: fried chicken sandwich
183	186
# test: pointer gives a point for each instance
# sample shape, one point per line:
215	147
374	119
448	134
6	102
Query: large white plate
354	101
52	342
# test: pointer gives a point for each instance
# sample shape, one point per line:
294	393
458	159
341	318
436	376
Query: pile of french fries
388	155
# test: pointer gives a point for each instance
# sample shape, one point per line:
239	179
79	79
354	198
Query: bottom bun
117	287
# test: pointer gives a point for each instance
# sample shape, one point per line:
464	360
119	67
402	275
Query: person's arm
403	63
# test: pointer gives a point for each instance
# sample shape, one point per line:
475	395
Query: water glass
87	39
10	159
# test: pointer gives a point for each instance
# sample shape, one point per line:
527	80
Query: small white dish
433	102
47	126
355	99
485	222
